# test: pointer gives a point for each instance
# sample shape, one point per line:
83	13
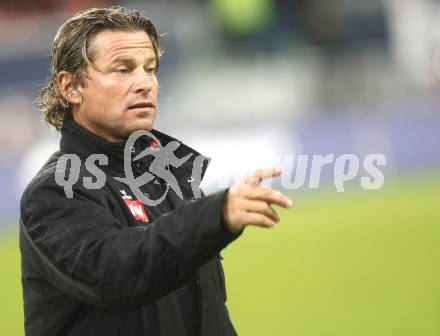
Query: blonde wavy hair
71	52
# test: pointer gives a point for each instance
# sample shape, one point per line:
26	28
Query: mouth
142	106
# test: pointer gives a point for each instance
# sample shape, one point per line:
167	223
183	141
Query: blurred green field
357	263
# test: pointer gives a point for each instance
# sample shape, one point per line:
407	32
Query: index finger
268	195
261	174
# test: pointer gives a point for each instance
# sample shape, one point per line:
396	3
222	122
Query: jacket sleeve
78	247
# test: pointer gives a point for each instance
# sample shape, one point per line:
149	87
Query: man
95	260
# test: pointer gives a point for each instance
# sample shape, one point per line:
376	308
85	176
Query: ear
66	88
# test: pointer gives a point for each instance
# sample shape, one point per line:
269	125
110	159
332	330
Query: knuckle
268	209
240	191
251	180
264	191
262	206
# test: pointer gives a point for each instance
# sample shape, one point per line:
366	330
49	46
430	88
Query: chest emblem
136	207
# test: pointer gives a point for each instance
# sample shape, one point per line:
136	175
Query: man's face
120	91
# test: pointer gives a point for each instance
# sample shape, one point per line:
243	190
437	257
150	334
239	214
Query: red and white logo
154	144
136	207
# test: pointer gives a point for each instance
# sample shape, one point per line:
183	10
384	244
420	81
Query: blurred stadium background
246	82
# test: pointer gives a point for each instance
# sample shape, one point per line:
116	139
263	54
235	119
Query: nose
144	81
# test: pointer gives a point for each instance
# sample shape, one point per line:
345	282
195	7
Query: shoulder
58	182
43	176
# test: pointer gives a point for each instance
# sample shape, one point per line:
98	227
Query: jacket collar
77	140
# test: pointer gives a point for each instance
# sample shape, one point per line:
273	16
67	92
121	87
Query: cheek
155	86
107	96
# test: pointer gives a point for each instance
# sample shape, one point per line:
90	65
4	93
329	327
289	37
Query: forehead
108	45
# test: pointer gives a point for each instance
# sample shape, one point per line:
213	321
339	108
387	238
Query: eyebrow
125	59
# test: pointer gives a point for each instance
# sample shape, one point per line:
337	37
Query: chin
146	125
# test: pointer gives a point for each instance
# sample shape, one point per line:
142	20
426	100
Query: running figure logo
163	158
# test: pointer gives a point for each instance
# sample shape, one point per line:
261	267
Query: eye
151	70
122	70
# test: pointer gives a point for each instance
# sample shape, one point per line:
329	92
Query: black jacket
93	266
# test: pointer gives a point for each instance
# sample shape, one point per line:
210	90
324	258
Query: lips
142	105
